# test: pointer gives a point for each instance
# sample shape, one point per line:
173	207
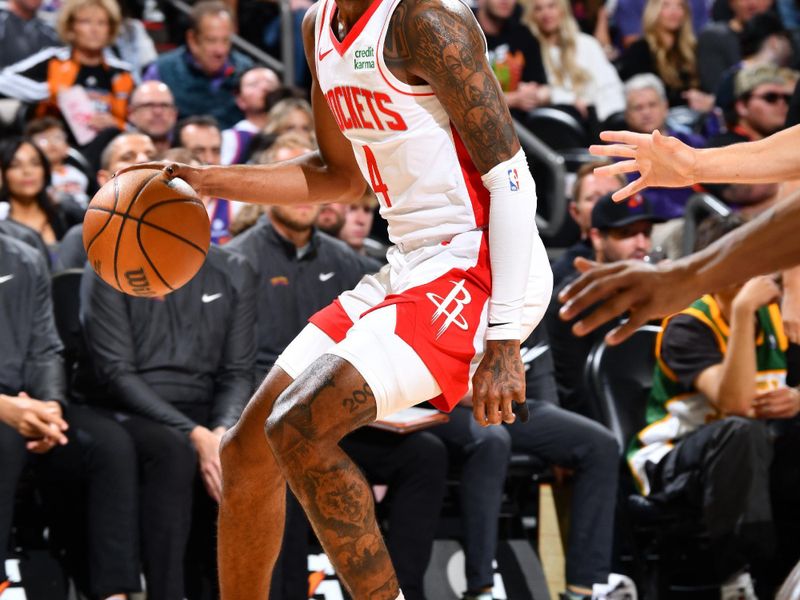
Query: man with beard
620	231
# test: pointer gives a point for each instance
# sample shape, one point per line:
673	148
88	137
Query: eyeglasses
154	106
773	97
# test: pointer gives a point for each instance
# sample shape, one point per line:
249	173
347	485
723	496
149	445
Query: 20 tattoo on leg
333	492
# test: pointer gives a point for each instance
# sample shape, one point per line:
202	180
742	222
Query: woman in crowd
667	49
88	27
578	71
24	197
290	115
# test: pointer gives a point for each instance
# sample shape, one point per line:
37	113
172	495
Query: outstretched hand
644	291
662	161
499	384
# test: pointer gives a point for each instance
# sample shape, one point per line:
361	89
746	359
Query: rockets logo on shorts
450	307
513	180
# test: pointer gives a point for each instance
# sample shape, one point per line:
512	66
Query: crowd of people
125	444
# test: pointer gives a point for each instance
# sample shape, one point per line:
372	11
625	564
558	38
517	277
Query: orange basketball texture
146	235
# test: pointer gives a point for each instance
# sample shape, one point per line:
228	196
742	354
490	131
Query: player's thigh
396	376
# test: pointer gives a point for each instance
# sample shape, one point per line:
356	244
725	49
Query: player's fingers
479	405
507	408
609	309
160	164
493	412
629	190
624	137
582	265
618	168
622	332
590	288
612	150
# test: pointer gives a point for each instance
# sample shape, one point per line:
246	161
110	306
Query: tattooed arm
438	42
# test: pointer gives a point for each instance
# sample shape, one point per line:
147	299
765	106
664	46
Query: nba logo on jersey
513	180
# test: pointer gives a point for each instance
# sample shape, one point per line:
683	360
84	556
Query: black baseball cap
608	214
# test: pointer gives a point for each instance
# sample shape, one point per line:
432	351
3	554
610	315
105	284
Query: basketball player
767	244
403	97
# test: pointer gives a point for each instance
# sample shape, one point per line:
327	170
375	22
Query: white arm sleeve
512	229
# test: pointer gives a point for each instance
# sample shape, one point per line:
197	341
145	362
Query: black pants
722	471
414	468
559	437
101	459
167	469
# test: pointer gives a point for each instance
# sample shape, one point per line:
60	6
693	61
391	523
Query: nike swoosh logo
531	354
210	297
324	54
5	278
326	276
498	324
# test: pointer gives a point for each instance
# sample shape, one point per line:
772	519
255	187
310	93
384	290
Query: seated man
620	231
178	371
558	437
719	398
68	445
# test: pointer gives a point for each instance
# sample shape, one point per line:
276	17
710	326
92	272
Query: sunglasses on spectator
773	97
154	106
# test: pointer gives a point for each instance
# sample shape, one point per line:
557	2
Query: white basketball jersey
428	188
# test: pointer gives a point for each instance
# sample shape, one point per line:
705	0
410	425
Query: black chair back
556	128
66	289
620	378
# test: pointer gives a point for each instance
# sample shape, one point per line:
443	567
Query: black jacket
291	289
30	348
195	346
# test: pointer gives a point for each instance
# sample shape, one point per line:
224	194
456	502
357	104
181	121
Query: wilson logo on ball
138	281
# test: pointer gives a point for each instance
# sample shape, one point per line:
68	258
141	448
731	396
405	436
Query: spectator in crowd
667	49
301	271
22	33
762	101
152	111
718	401
620	231
70	447
290	115
556	436
514	54
331	218
66	180
646	110
628	18
588	188
579	74
178	371
25	234
88	27
718	46
204	74
357	224
124	150
763	41
251	98
201	135
24	195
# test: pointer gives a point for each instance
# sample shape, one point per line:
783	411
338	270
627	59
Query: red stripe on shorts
332	320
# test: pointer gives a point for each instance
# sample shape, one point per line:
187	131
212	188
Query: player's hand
206	443
783	403
662	161
191	175
498	383
642	290
34	419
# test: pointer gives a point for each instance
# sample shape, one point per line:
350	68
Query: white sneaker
738	587
619	587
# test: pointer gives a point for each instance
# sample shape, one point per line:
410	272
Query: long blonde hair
671	62
568	31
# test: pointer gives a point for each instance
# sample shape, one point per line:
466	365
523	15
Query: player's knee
285	425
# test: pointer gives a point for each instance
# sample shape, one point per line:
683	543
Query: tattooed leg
328	401
252	510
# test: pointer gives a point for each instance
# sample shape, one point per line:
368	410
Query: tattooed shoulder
440	42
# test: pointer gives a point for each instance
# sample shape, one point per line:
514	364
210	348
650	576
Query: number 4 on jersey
375	177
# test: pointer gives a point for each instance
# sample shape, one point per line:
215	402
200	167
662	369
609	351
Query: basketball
145	234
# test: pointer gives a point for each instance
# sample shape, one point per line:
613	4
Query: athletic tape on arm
512	227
